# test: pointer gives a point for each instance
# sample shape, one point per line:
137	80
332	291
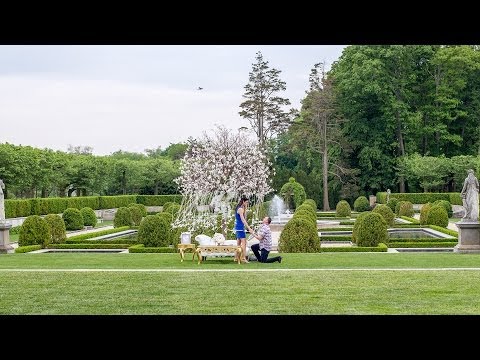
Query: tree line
30	172
403	117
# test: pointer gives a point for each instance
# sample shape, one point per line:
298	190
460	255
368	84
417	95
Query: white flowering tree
215	172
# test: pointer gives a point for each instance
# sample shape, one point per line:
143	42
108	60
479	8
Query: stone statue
388	195
470	197
2	202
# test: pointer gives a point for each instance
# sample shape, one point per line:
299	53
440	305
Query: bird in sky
200	88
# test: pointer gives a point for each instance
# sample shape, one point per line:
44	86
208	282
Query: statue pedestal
5	237
468	237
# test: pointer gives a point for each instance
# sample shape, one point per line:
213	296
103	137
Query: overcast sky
135	97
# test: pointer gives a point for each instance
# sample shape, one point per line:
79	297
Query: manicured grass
14	237
196	292
312	292
290	261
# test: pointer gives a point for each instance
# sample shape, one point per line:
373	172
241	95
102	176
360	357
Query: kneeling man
262	249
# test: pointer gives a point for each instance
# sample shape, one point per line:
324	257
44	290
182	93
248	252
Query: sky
133	98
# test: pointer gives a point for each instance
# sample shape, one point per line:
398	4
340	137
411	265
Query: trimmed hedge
392	203
361	204
386	212
58	232
173	209
89	246
424	213
143	208
34	231
299	235
140	248
380	248
111	202
409	226
444	230
123	217
154	231
347	222
312	203
43	206
27	248
421	198
404	208
433	240
422	244
295	190
343	209
96	233
446	205
102	241
336	229
306	214
73	219
336	238
370	230
89	216
158	200
136	214
411	219
327	215
437	215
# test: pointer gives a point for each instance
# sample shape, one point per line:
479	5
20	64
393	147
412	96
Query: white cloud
53	111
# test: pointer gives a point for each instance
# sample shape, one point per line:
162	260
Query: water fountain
279	213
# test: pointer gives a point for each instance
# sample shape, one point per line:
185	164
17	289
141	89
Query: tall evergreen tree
263	107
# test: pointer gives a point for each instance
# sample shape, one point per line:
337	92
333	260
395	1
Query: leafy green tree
430	172
175	151
318	128
161	171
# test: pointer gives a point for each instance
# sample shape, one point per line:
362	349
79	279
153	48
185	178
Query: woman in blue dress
240	225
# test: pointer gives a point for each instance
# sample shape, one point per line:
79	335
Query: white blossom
216	171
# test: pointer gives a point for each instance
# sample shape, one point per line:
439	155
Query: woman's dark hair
242	200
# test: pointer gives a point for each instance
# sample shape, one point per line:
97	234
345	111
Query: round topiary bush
173	209
154	231
437	215
299	235
136	215
307	215
392	204
56	225
123	217
167	205
142	208
370	229
312	203
170	234
405	208
361	204
73	219
386	212
446	204
343	209
34	231
89	216
293	193
424	213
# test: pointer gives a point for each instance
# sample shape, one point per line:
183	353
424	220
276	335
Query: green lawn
240	292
